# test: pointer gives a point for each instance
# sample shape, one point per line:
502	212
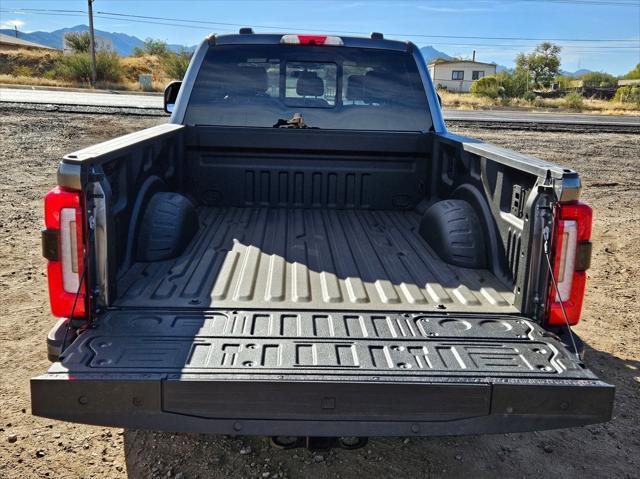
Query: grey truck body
309	296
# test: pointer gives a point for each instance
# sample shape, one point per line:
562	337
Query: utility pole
92	45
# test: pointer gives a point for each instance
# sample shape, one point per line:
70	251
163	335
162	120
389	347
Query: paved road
128	100
62	97
540	117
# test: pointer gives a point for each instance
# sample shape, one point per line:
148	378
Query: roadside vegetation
113	71
537	83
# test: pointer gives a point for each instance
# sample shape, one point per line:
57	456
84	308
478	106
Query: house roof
440	61
19	42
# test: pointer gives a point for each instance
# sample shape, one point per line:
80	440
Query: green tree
78	42
633	74
542	65
152	46
598	79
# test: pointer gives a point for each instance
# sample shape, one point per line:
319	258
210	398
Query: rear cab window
341	88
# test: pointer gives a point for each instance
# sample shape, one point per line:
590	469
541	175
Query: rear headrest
375	87
252	80
355	88
309	84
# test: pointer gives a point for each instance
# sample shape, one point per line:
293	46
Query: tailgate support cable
547	238
73	308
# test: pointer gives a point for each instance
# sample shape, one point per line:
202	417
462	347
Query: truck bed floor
315	259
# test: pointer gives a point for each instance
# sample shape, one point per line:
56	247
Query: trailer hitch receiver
318	443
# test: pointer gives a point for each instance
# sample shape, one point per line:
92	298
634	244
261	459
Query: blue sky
591	20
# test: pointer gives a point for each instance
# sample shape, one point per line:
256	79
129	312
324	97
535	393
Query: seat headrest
355	88
252	80
309	84
375	87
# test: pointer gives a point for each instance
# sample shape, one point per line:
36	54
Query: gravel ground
32	142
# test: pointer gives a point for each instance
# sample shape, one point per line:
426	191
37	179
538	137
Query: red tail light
311	40
63	246
572	255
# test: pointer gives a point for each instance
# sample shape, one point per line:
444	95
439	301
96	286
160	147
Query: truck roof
375	40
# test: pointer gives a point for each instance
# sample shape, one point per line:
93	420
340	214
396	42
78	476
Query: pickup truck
304	250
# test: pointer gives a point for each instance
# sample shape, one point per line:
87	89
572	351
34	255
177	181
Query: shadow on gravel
602	450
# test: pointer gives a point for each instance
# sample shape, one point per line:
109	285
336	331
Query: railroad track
486	123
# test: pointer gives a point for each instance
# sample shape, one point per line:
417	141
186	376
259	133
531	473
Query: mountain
575	74
123	44
429	53
582	71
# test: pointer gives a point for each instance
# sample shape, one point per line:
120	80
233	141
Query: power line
609	3
183	22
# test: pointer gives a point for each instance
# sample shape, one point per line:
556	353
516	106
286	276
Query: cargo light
572	256
312	40
63	246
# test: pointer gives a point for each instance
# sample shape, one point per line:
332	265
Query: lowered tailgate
334	374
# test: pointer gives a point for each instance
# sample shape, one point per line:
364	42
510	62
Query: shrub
502	85
598	79
573	101
77	67
108	66
79	42
487	87
22	71
529	96
176	64
628	94
152	47
514	84
539	102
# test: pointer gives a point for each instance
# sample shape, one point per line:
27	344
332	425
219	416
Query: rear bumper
322	408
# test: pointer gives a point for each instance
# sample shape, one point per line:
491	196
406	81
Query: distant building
102	43
458	75
9	43
628	83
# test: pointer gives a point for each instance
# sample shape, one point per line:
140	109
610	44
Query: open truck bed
369	275
312	259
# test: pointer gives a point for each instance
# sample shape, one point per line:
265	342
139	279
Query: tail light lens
572	255
63	246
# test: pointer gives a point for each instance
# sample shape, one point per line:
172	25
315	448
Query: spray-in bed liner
314	259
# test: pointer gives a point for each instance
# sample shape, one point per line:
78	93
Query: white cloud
12	24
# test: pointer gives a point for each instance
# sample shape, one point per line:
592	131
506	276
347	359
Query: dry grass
101	85
466	101
25	67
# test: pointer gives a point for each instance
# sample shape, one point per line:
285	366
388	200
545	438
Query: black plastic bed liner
333	374
312	259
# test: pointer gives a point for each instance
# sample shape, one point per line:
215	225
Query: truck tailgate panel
332	372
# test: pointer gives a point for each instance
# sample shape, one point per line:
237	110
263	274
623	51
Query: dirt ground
31	144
